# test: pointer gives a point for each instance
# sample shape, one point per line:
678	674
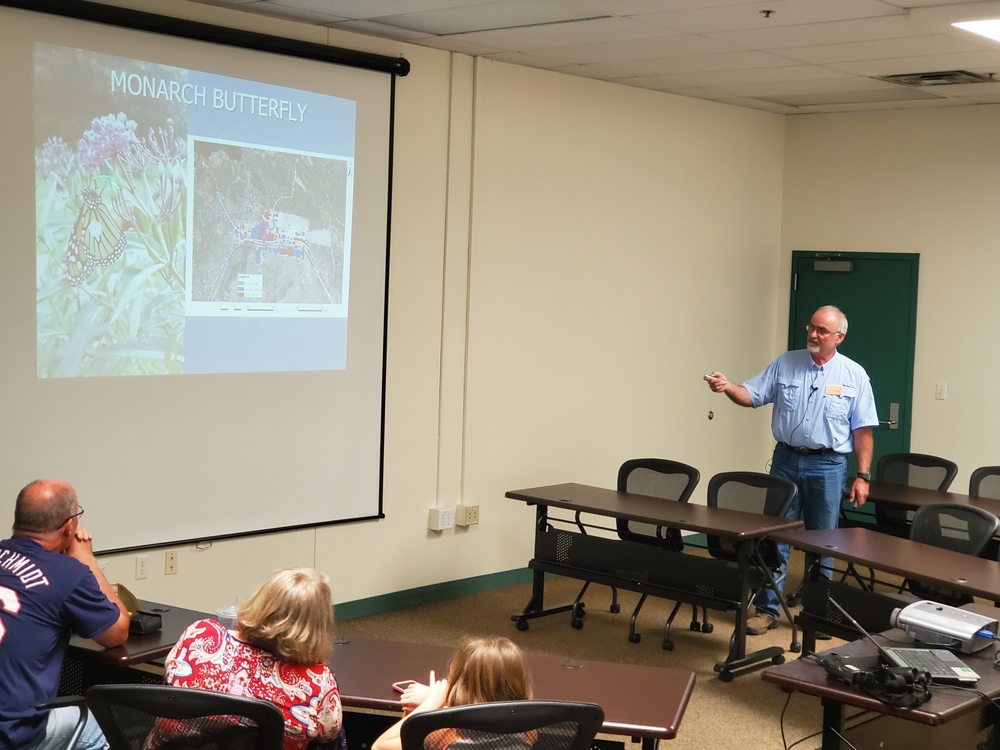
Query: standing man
50	586
823	409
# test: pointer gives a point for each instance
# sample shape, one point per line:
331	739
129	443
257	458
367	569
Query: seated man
50	585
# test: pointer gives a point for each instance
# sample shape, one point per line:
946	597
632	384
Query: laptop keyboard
925	661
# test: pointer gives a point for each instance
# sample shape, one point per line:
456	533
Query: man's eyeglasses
75	515
819	331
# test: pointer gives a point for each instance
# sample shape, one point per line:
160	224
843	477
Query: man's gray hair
842	324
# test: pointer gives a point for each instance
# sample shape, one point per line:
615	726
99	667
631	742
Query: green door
878	293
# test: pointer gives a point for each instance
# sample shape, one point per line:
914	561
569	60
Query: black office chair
960	528
158	717
910	470
753	492
654	477
985	482
510	725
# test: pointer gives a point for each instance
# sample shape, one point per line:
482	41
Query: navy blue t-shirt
44	596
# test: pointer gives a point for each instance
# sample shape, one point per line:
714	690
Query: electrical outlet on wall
141	567
170	562
466	515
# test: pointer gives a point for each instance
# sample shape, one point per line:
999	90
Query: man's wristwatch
866	475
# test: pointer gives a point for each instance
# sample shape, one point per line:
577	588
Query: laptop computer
943	665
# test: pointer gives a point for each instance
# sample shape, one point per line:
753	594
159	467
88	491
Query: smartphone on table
401	686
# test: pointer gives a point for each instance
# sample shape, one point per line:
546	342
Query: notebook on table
943	665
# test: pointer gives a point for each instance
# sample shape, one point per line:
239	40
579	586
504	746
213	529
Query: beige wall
568	258
916	181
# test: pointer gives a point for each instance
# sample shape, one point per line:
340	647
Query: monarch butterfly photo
97	239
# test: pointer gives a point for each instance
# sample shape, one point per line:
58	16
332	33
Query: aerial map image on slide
268	227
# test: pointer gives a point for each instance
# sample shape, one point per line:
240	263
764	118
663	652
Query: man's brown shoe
760	622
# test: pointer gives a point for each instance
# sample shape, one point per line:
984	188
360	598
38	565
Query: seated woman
483	670
278	653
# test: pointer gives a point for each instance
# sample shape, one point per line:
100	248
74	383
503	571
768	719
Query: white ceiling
803	56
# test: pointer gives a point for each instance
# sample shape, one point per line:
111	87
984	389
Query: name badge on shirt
834	390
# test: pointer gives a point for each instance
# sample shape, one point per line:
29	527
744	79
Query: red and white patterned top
209	657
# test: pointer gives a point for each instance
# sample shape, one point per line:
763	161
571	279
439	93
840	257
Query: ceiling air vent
940	78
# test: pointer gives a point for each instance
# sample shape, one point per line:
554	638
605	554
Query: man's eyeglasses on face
75	515
819	331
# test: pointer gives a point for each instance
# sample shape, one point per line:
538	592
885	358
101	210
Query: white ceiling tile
755	75
882	50
373	28
495	15
278	10
714	19
641	49
837	32
977	62
697	63
566	33
376	8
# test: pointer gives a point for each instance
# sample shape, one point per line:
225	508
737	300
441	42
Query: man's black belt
805	451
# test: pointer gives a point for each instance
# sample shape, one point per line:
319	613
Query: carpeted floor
744	713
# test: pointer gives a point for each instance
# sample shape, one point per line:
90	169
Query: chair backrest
961	528
509	725
985	482
158	717
916	470
910	470
748	491
655	477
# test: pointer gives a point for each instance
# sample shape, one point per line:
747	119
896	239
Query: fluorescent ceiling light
989	28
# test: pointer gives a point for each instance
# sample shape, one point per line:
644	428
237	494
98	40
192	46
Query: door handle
893	421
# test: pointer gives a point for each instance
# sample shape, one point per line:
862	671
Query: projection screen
194	280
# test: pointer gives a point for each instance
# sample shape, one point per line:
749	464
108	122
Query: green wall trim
428	594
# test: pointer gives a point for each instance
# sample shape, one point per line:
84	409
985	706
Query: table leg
833	724
738	656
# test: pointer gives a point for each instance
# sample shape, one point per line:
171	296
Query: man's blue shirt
44	596
815	407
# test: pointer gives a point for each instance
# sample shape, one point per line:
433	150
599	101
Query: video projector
941	625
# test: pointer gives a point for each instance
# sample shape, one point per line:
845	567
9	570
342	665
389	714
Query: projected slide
187	222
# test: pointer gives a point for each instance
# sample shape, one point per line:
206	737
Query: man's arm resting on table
82	549
864	444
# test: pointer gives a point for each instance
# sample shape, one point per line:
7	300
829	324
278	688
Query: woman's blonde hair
291	616
488	669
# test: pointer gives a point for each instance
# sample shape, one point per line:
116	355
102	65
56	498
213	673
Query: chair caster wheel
522	625
707	627
616	608
795	647
792	601
577	623
696	626
726	676
668	645
779	659
634	637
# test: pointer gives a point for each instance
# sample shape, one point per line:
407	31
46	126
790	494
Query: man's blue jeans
60	726
821	480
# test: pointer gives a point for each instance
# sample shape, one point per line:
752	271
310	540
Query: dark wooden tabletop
891	554
638	701
912	498
732	524
806	676
139	649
